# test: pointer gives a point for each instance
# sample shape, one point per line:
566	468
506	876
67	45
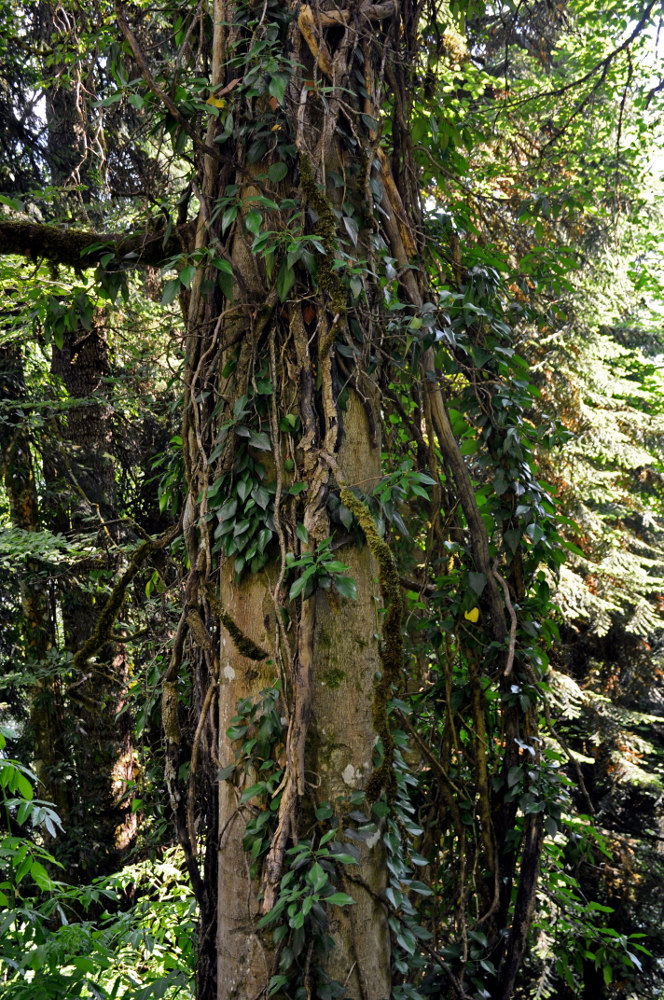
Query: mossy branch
82	249
244	645
391	652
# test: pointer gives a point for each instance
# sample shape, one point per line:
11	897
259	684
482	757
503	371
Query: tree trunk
263	412
45	696
82	477
338	756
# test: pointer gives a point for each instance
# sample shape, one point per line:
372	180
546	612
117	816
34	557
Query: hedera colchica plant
360	208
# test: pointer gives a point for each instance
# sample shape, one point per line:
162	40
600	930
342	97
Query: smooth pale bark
346	660
338	757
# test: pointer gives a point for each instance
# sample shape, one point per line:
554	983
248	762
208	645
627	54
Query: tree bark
82	480
45	695
82	249
321	647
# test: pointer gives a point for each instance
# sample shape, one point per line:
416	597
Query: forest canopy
331	500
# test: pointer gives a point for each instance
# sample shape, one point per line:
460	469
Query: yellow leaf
472	615
216	102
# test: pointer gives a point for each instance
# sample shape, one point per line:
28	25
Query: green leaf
277	86
352	229
236	732
345	516
302	533
171	289
339	899
334	566
277	172
261	496
253	222
477	582
228	509
299	585
346	859
285	280
276	983
23	786
252	791
346	586
260	440
228	217
187	275
41	876
513	776
317	877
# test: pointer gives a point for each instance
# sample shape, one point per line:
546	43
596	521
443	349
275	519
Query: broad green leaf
339	899
285	280
171	289
253	222
277	172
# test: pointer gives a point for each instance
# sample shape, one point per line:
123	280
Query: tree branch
80	249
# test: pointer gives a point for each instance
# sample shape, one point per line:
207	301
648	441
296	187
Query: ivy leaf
261	496
260	440
477	582
276	982
264	536
228	509
513	775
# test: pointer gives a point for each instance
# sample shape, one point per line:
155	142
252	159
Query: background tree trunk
82	478
45	696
